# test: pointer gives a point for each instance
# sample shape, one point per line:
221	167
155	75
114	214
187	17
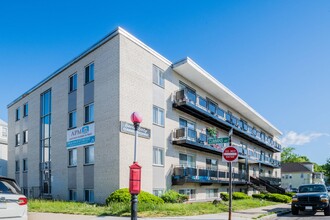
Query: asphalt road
304	216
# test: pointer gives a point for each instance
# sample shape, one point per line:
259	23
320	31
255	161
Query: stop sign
230	154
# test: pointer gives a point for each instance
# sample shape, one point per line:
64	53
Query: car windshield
9	187
312	188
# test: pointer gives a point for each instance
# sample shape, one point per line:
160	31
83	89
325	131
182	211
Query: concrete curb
275	215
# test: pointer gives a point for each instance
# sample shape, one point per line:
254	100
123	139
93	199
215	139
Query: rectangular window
191	193
17	139
189	93
158	116
158	192
211	164
211	106
4	131
211	193
89	195
18	115
72	195
220	112
25	165
302	175
73	83
25	137
187	160
202	102
89	155
73	119
26	109
73	157
89	113
158	156
158	76
89	73
17	165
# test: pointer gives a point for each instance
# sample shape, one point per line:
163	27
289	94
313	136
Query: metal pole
134	201
135	140
230	190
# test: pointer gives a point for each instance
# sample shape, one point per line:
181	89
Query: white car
13	205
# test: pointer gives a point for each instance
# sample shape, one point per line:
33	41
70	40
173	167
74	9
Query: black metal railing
189	97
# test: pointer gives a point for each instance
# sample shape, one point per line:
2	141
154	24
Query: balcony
187	101
203	176
190	138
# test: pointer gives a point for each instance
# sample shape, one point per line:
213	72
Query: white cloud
293	138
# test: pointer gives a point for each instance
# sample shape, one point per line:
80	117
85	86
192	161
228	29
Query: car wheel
294	210
327	211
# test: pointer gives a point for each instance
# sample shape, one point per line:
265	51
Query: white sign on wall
81	136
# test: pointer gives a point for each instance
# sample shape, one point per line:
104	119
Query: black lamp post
135	169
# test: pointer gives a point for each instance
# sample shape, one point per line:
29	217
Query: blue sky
273	54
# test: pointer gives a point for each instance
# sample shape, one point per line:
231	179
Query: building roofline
233	100
108	37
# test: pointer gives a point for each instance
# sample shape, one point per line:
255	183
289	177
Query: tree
288	156
326	170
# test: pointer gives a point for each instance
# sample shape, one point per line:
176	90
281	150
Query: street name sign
218	140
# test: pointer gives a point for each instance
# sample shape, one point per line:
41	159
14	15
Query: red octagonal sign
230	154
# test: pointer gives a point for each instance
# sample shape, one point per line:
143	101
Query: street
304	215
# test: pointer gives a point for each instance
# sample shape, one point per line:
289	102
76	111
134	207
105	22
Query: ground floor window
72	195
191	193
211	193
89	195
158	192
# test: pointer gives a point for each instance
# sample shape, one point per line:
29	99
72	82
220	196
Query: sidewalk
238	215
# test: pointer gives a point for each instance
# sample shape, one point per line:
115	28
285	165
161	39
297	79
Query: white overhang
197	75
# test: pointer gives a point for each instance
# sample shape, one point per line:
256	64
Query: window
72	195
89	195
158	116
18	116
190	93
17	139
73	119
187	160
17	165
212	107
89	73
73	83
89	155
4	131
73	157
26	109
302	175
89	113
158	157
211	164
191	193
202	102
245	125
220	112
211	193
25	165
191	134
158	192
158	76
25	137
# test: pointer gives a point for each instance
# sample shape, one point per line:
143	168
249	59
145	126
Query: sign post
230	154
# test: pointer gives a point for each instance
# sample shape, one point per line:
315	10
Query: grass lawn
144	210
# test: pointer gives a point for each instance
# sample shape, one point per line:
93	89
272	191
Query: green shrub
123	196
240	195
290	194
172	196
224	196
259	196
278	197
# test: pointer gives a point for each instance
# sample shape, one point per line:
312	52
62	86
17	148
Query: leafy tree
326	170
288	156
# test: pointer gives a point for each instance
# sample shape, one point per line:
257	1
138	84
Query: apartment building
77	138
3	147
296	174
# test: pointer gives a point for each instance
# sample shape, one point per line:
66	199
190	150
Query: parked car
294	190
311	197
13	205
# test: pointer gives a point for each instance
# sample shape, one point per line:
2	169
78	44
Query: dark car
311	197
